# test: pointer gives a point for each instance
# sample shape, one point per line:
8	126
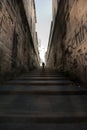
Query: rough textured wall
76	39
54	8
16	44
54	53
50	59
71	40
30	10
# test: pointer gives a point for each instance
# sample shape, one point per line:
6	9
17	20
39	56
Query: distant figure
43	65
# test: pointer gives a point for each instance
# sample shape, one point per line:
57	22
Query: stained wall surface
17	51
71	38
76	39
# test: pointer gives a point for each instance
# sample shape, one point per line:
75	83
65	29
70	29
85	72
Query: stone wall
16	44
54	51
76	40
30	10
71	23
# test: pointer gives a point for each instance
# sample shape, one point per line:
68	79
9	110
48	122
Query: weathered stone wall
76	40
16	44
71	19
30	10
54	52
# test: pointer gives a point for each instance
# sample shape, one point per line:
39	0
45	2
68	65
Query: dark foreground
42	100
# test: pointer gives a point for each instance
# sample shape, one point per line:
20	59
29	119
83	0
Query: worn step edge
42	92
18	83
53	79
45	117
43	75
40	81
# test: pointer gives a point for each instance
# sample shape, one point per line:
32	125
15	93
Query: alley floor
42	100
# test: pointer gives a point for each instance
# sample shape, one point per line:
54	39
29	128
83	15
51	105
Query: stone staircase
42	100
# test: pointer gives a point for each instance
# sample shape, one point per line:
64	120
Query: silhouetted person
43	65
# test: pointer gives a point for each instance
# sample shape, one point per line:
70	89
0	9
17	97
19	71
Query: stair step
42	75
42	78
43	103
57	82
42	92
43	126
63	118
40	81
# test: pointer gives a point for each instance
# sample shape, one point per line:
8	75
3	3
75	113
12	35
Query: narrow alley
43	64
